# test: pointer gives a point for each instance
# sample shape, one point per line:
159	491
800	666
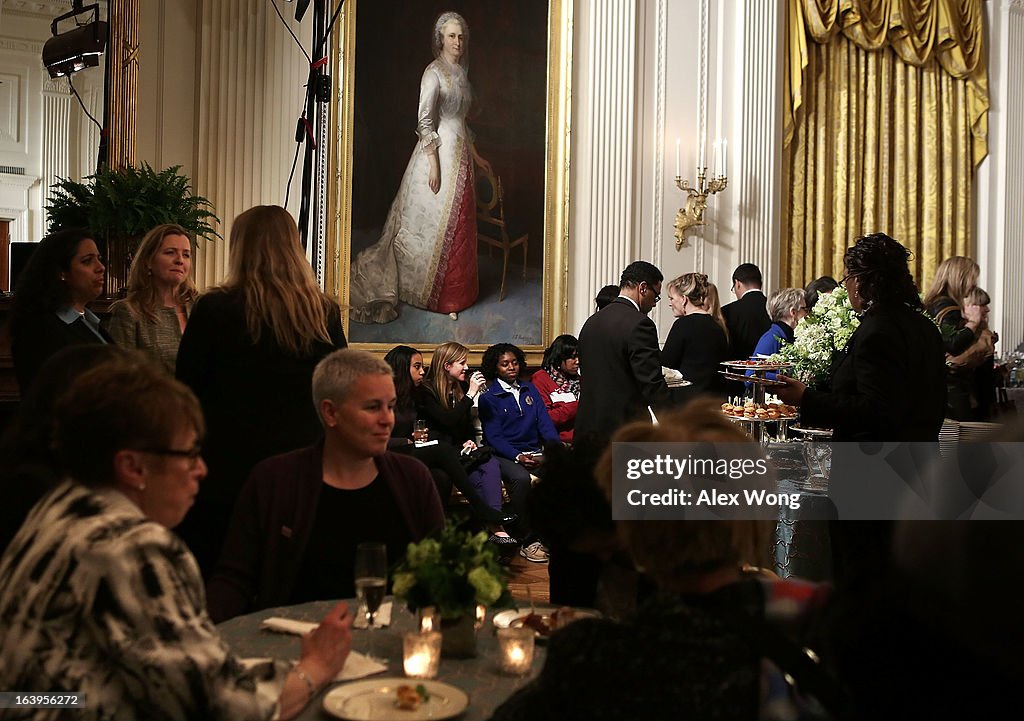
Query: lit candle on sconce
716	158
515	649
679	168
703	163
421	654
725	160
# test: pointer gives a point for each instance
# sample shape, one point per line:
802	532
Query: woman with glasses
787	307
696	344
558	382
99	597
889	383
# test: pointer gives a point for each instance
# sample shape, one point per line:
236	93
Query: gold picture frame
551	305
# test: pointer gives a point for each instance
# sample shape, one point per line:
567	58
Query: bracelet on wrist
310	686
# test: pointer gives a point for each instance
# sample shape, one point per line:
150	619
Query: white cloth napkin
356	666
301	628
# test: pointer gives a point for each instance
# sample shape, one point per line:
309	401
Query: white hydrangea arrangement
824	332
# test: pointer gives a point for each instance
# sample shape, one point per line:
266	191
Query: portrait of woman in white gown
427	252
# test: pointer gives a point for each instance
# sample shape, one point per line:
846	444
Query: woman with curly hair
516	425
160	295
248	353
50	311
890	383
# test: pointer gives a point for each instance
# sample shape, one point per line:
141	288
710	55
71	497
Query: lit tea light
422	654
430	619
515	649
481	613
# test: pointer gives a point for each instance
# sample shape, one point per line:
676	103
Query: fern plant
120	205
128	202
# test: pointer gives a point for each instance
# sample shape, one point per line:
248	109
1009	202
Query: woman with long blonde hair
955	279
248	353
446	402
714	306
696	344
161	292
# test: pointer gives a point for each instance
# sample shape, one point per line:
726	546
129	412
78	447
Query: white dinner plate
374	700
504	619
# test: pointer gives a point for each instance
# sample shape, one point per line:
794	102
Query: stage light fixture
74	50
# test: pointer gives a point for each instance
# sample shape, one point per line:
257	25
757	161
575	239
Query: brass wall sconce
697	196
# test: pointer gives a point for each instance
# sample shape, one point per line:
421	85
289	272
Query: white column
753	45
603	227
1000	178
250	75
56	139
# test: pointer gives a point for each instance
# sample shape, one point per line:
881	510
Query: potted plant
453	571
120	205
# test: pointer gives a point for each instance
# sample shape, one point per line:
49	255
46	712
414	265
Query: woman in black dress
248	353
51	301
696	345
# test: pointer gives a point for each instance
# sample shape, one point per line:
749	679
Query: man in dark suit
620	362
746	317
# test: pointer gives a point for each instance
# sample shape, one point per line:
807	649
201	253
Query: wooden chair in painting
493	227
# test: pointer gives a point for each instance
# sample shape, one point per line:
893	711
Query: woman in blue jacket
516	425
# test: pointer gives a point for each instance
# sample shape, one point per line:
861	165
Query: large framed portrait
447	212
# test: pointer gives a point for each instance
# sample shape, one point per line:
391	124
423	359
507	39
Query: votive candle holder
515	650
421	654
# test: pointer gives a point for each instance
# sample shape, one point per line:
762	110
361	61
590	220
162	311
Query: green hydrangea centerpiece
454	571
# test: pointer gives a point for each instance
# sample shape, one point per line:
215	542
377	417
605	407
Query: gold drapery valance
920	32
885	123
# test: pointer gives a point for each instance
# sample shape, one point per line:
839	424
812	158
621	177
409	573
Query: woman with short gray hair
786	306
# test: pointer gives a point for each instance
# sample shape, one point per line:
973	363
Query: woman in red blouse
558	382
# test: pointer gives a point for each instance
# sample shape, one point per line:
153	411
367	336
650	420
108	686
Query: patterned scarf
564	383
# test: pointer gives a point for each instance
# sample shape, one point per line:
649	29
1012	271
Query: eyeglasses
842	281
657	296
192	454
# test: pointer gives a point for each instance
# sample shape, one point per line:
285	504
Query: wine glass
371	579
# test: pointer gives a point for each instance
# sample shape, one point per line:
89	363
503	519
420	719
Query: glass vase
458	636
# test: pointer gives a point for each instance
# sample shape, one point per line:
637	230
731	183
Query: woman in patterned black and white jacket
98	596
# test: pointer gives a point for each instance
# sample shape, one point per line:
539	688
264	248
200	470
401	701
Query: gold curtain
885	122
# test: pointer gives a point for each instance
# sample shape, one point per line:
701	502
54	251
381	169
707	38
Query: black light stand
318	90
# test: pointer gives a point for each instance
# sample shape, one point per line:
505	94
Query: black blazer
620	369
747	320
40	337
889	385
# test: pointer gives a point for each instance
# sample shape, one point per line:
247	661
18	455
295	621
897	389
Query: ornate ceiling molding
22	46
44	8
